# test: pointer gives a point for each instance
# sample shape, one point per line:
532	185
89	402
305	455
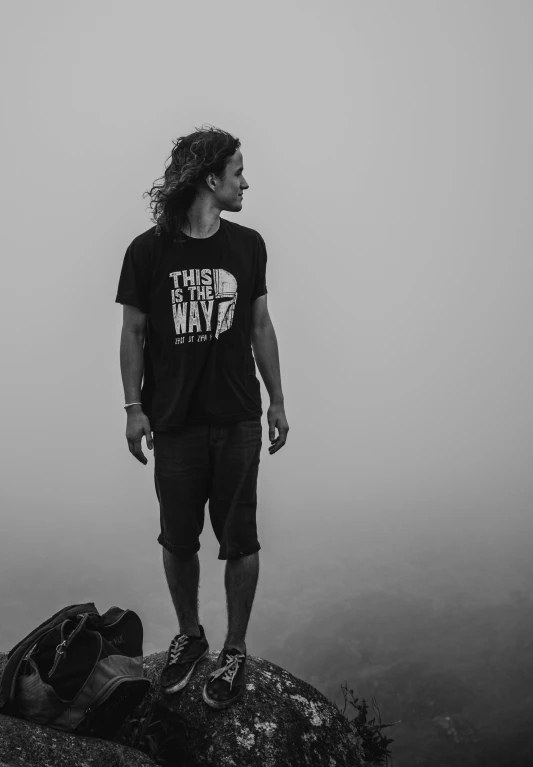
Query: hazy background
388	148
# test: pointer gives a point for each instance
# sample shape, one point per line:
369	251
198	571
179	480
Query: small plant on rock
154	737
375	744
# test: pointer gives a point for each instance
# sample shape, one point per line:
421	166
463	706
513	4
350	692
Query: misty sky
388	148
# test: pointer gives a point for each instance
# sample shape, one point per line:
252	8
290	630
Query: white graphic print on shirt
194	295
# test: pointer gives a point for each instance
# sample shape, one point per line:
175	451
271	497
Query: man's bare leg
183	578
240	580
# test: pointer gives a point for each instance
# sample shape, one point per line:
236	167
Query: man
193	289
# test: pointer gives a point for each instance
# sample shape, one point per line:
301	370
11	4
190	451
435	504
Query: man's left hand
277	420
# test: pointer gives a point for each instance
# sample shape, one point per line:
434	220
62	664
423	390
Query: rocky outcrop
24	744
281	721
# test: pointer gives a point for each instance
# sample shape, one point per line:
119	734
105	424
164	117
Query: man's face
229	188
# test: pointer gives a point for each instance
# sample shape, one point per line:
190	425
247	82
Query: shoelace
228	671
176	646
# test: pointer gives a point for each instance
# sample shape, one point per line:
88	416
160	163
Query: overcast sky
388	148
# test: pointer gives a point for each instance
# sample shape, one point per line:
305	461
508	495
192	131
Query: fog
388	148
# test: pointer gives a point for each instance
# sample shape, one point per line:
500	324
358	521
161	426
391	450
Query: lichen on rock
25	744
279	721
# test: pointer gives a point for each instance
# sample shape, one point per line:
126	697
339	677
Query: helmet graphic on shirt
225	287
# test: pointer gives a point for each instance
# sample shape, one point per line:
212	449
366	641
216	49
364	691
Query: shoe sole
183	683
218	704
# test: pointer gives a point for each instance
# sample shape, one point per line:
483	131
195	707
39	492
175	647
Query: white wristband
133	403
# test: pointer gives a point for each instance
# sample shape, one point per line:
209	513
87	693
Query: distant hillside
453	665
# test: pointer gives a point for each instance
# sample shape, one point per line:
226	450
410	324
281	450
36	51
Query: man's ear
210	180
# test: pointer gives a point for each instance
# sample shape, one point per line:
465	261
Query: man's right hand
138	426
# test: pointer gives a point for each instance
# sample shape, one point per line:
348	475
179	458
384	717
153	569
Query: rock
280	721
26	744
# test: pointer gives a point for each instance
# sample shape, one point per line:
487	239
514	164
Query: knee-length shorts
199	463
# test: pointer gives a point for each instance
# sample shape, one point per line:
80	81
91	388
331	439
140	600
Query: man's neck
204	219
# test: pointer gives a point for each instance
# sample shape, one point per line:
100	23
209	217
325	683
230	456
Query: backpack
79	671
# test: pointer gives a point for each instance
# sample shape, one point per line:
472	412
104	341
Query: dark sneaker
183	655
226	683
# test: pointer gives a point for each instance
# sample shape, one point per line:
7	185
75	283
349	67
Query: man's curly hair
205	151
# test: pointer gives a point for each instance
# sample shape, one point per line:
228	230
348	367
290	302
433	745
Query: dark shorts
200	463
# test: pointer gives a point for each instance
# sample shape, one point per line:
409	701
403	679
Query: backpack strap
8	679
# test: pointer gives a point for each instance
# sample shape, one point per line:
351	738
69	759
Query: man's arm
131	368
265	347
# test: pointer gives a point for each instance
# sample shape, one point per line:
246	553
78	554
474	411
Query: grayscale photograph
267	485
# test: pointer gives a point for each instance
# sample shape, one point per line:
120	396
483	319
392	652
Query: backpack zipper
61	648
109	625
106	691
30	651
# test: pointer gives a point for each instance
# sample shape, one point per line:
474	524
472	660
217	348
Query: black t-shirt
198	295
